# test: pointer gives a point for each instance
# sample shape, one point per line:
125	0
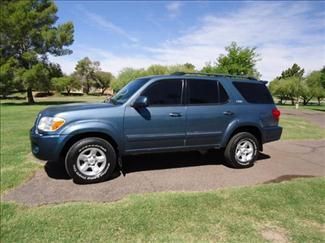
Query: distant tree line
293	86
29	34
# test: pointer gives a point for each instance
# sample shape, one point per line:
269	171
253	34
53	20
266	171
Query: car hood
53	110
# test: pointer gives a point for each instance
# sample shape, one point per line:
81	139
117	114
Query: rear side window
206	92
256	93
164	92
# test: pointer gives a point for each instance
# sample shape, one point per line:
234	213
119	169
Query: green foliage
316	83
237	61
66	83
86	69
129	74
294	71
28	33
291	85
103	80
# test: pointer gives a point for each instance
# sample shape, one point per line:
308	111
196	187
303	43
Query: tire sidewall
237	139
79	147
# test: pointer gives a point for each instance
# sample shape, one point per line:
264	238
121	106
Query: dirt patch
287	178
274	234
313	224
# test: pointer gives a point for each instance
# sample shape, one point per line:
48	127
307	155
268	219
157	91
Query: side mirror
140	102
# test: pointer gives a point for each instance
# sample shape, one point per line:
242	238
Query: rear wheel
90	160
242	150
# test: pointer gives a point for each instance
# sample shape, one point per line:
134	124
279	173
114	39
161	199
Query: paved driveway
176	172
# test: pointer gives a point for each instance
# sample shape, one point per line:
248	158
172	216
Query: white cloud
106	24
282	32
174	8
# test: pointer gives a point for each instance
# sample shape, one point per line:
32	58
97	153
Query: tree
66	83
86	69
315	82
129	74
28	33
237	61
290	85
7	74
103	80
294	71
125	76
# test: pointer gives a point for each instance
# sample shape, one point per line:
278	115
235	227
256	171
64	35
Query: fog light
35	149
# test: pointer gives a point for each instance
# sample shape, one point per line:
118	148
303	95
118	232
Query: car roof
211	76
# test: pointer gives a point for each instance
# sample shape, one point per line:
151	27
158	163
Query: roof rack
215	75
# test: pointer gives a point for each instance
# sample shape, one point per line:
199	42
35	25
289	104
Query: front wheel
90	160
242	150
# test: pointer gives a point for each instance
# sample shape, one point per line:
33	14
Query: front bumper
271	134
46	147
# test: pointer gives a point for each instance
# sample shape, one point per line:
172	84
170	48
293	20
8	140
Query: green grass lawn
298	128
294	209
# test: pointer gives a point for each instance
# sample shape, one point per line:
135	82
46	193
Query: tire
242	150
90	160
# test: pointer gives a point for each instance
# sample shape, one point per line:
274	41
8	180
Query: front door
162	123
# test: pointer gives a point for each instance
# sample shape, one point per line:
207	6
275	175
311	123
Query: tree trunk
103	90
30	97
68	91
318	99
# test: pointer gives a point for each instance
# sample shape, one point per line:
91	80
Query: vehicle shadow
159	161
162	161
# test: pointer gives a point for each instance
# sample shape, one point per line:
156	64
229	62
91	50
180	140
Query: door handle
175	114
228	113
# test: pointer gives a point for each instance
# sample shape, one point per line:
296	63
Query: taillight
276	114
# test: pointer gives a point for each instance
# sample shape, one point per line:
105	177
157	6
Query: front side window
164	92
127	91
206	92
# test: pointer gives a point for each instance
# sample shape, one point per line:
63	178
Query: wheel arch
254	130
76	137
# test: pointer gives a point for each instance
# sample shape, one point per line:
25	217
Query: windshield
127	91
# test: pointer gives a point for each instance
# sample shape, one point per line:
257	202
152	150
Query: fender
86	126
237	124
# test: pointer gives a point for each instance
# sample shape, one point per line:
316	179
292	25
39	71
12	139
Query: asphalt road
188	171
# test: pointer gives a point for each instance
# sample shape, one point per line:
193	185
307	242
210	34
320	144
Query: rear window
256	93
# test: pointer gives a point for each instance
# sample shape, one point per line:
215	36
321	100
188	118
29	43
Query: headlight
50	124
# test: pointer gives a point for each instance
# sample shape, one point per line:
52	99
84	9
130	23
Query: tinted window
206	92
223	96
254	92
164	92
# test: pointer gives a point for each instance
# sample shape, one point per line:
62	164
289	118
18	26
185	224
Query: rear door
161	124
208	112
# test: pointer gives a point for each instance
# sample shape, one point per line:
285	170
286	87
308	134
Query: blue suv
182	111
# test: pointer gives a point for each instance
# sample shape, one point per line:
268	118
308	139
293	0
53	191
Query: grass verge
298	128
306	107
291	210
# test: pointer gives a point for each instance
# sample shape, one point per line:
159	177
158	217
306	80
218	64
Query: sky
138	34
